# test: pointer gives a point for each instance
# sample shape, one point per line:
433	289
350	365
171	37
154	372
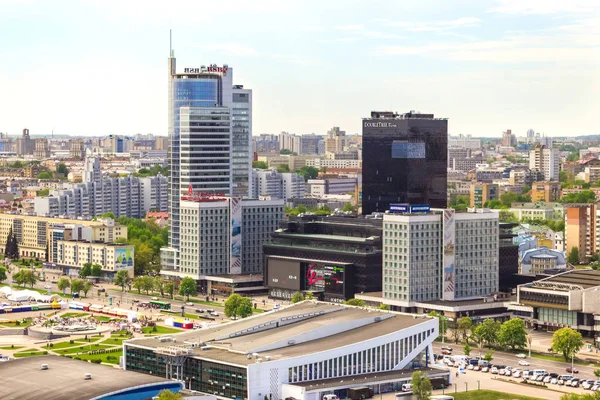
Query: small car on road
521	355
523	362
572	370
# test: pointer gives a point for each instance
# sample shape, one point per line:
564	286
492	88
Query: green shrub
71	341
96	361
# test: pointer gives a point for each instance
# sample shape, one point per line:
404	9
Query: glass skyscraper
207	119
404	160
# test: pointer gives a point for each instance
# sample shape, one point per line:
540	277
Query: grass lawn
74	315
13	324
84	348
61	345
90	339
556	358
30	353
114	357
115	340
11	348
102	318
160	330
489	395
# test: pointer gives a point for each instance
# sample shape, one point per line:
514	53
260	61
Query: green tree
384	307
3	275
308	172
30	278
467	349
138	284
61	168
297	297
597	373
122	279
170	289
143	257
44	175
63	284
355	302
188	287
460	202
285	151
43	192
238	306
464	327
513	333
489	355
487	331
96	270
76	286
573	256
168	395
443	322
11	250
283	168
159	285
567	341
585	196
147	283
86	270
309	296
348	207
562	176
259	165
421	386
87	286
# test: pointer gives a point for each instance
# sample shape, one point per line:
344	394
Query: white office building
278	185
222	235
241	142
439	255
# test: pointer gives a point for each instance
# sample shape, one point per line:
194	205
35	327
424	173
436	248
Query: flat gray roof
23	379
356	325
353	239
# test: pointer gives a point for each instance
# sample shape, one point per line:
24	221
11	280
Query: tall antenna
170	43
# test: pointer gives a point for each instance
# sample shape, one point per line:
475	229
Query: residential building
41	149
336	140
332	257
33	233
439	255
335	163
539	210
153	193
69	257
404	160
465	141
221	235
25	145
545	191
77	149
546	160
304	351
508	139
466	164
580	229
537	261
241	141
278	185
289	142
319	187
309	144
481	193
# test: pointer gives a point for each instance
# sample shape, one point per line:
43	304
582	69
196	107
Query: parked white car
494	370
547	379
516	374
554	381
485	369
470	367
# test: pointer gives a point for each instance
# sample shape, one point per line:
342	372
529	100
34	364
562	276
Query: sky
97	67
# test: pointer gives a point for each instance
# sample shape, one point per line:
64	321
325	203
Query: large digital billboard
235	266
284	274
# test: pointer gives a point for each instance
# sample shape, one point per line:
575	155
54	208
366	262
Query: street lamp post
572	355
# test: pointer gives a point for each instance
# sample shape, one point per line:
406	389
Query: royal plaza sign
211	69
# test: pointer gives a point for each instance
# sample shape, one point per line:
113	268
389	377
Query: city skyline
487	66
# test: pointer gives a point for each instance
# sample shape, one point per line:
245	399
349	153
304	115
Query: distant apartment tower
278	185
405	159
289	142
309	144
41	149
25	144
545	160
580	229
481	193
241	140
508	139
545	191
335	141
77	149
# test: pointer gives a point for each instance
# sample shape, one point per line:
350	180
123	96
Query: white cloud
233	49
511	49
293	59
527	7
312	28
339	40
360	29
435	26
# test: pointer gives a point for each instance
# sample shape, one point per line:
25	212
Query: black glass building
405	160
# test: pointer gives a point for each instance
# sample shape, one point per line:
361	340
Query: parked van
407	387
538	372
483	363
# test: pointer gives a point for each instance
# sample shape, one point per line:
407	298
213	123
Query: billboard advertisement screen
401	149
284	274
235	266
449	243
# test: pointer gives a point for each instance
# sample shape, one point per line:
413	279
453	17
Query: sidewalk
542	341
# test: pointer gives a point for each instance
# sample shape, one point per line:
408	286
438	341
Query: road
504	358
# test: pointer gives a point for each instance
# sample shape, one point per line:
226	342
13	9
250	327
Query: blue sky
100	67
